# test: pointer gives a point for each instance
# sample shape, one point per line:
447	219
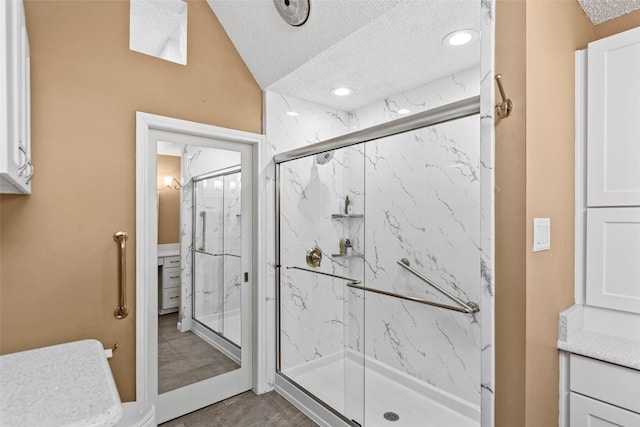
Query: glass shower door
421	349
321	251
217	241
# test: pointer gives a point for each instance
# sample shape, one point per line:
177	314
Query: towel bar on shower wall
467	307
121	238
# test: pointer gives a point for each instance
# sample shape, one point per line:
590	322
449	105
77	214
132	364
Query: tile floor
184	358
246	410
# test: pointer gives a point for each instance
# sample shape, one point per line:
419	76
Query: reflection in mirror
199	242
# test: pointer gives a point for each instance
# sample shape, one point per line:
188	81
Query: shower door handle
203	214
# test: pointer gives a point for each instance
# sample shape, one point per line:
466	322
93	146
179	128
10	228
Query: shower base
231	324
340	378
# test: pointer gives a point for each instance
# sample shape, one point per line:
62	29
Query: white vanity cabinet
603	394
613	125
16	169
169	284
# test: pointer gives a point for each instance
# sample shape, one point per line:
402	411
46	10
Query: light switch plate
541	234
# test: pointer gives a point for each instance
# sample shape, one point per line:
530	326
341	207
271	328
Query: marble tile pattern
394	221
423	203
62	385
195	161
314	123
487	209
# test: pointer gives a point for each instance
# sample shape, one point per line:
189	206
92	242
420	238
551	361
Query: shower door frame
448	112
230	348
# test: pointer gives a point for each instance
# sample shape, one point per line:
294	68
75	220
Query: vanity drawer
170	298
604	381
171	261
170	277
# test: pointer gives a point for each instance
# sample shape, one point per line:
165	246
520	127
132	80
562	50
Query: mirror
199	263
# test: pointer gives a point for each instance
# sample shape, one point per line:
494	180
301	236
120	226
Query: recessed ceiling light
291	113
403	111
460	37
341	91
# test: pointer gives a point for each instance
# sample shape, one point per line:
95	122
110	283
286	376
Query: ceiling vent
294	12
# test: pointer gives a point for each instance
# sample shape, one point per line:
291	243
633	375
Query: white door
613	155
216	367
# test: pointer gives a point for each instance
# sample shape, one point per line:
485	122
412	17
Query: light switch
541	234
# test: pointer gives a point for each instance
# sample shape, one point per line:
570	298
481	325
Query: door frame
146	245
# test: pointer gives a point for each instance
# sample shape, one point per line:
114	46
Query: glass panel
202	340
320	317
217	237
232	277
423	204
208	291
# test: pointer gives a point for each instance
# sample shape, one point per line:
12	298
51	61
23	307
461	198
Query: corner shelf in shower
338	216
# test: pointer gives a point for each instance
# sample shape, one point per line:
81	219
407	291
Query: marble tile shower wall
423	204
195	161
328	317
314	123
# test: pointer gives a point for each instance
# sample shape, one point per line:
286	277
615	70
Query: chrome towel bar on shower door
468	307
325	274
472	307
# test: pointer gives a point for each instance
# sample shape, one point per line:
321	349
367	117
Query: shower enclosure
378	298
216	252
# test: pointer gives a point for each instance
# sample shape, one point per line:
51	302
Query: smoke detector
294	12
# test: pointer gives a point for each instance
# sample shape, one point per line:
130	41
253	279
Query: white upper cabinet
613	156
16	169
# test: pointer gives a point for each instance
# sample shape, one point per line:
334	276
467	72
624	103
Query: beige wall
168	200
59	261
535	44
510	209
554	31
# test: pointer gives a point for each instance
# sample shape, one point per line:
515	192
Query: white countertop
68	385
606	335
168	249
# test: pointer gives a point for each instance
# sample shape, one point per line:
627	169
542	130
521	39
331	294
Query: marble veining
425	195
68	385
422	202
196	161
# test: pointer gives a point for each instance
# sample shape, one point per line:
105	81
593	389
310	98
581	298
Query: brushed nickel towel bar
325	274
414	299
121	238
468	307
504	108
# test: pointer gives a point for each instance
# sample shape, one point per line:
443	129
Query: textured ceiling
376	47
600	11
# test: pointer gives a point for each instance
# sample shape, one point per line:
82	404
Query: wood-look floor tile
245	410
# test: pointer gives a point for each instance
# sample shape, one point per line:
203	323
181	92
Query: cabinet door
586	412
613	133
15	138
613	265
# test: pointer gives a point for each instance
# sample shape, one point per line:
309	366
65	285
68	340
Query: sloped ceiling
600	11
376	47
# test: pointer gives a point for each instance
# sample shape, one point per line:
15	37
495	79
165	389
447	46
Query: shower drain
391	416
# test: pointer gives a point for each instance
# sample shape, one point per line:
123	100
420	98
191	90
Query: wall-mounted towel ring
504	108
